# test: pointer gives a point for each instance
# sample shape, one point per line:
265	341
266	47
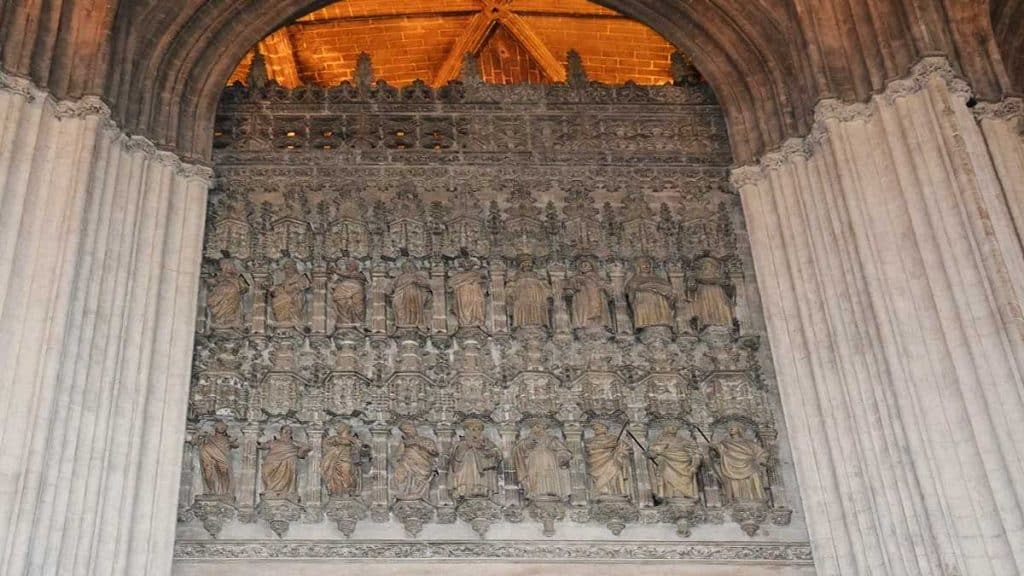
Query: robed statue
342	459
673	466
708	292
215	461
281	465
589	294
469	296
348	294
288	296
609	464
415	465
738	462
410	295
651	298
474	464
540	459
529	296
224	298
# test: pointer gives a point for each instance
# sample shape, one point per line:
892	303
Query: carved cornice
95	107
831	111
787	552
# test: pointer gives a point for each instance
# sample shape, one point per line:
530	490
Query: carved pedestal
346	512
614	512
749	515
413	514
547	512
214	512
279	513
685	513
479	513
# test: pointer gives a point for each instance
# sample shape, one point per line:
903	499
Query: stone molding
834	110
785	552
94	107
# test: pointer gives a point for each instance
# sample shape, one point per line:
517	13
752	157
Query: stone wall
501	267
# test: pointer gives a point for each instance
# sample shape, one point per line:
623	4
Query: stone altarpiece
503	313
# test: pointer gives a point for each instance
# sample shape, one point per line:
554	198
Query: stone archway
904	208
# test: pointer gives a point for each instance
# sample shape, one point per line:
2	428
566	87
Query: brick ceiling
515	40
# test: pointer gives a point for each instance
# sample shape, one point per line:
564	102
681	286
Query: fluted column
100	243
890	267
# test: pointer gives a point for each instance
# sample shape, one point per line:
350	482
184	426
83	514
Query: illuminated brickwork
412	39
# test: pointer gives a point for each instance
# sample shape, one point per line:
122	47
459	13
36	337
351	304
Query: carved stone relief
419	308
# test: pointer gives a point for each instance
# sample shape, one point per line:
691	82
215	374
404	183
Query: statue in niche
343	455
738	462
708	291
608	463
414	465
281	465
288	296
474	463
651	297
674	468
529	296
539	459
468	289
349	294
589	293
224	299
410	295
215	461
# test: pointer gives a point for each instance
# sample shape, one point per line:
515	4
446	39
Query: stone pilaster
623	324
318	309
246	485
378	299
499	312
379	493
311	490
258	318
573	431
439	302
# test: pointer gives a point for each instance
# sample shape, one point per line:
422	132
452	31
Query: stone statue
608	464
281	465
224	299
711	303
674	469
539	459
215	461
651	298
410	295
414	465
589	293
343	454
349	294
469	301
738	462
529	296
474	464
288	295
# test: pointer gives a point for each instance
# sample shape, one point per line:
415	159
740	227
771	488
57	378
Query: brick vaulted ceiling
515	40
